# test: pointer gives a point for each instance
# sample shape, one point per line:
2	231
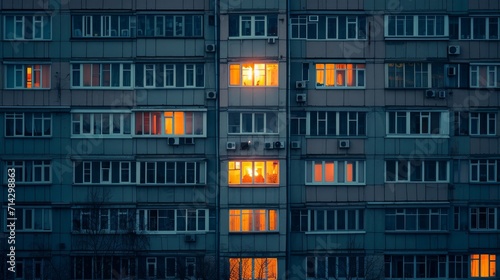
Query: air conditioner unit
173	141
313	18
279	144
211	95
245	145
452	71
442	94
300	84
210	48
271	40
269	145
190	238
231	146
300	98
295	144
454	50
430	93
189	141
344	144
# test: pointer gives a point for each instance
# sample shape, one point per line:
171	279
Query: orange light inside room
234	75
29	77
179	123
483	265
318	172
349	172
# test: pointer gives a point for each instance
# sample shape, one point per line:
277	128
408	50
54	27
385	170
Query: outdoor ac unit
430	93
189	141
210	48
344	144
173	141
454	49
442	94
300	84
295	145
279	144
190	238
231	146
301	97
269	145
211	95
271	40
452	71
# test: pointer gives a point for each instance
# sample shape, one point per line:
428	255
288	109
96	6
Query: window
335	267
340	75
416	219
484	76
28	124
325	123
417	123
27	76
475	123
190	267
253	268
253	26
329	220
483	265
169	75
253	220
298	122
101	75
104	172
172	172
32	268
31	171
170	123
32	219
170	26
416	26
253	172
328	27
28	27
479	28
173	220
484	218
170	267
416	266
252	123
335	172
151	267
458	266
103	220
416	171
484	170
101	124
408	75
103	267
253	74
99	26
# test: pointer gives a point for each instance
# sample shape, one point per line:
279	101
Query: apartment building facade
300	139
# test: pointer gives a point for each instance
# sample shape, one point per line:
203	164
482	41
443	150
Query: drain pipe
217	137
288	177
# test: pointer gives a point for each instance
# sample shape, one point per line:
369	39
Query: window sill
27	40
336	184
336	232
252	133
27	89
99	136
417	231
330	40
252	87
484	231
252	37
338	88
252	232
334	136
445	136
416	182
253	185
416	38
28	137
31	231
102	88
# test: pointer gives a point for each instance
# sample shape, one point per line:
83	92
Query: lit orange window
169	122
340	75
253	268
253	172
273	220
318	172
246	220
349	172
234	75
29	77
483	265
234	220
329	172
249	74
252	220
179	123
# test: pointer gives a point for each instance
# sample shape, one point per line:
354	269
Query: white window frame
422	170
488	23
252	19
476	211
77	69
351	116
476	118
19	70
98	216
105	27
151	261
434	212
298	22
327	274
200	215
444	120
403	65
163	118
268	275
337	71
21	212
198	172
36	19
358	179
28	170
96	117
492	79
253	116
191	262
252	214
241	74
489	166
238	165
87	167
415	30
314	217
21	119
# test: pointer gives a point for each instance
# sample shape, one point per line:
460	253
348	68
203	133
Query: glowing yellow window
273	220
234	75
247	74
483	265
179	123
234	172
169	122
234	220
330	75
272	74
246	220
318	172
29	77
329	172
272	172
